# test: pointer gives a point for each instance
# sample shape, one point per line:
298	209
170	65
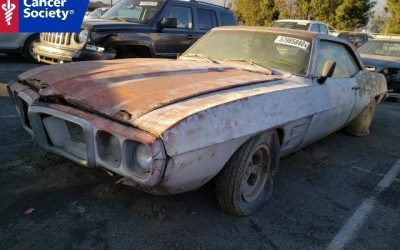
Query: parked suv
313	26
135	28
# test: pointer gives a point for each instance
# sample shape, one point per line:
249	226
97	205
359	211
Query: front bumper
49	54
50	124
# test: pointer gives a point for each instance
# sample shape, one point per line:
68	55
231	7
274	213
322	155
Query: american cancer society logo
42	15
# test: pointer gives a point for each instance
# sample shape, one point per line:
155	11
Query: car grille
66	136
76	132
57	38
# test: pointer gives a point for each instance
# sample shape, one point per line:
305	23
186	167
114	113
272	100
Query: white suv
313	26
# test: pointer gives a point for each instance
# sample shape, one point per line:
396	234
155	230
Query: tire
246	182
28	52
360	125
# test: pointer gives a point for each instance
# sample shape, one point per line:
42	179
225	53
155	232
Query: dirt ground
47	202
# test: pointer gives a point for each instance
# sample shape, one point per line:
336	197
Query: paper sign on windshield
292	42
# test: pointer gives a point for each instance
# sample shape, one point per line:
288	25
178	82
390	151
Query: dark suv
135	28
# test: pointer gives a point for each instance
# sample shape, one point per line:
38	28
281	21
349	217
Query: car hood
103	24
380	61
127	89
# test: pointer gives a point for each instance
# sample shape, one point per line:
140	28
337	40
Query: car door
336	97
169	42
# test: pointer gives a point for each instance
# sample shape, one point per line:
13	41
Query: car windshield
292	25
133	11
257	49
382	48
97	13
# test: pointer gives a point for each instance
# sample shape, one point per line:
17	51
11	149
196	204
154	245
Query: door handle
190	37
356	88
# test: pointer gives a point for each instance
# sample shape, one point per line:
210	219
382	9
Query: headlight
83	36
144	157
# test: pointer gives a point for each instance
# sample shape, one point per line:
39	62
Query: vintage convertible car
229	107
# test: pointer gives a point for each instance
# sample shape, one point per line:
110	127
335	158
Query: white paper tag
148	4
292	42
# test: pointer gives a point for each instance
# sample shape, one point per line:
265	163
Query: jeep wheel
246	182
28	48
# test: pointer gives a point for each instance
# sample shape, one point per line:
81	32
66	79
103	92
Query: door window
207	19
346	66
315	28
227	19
183	15
323	29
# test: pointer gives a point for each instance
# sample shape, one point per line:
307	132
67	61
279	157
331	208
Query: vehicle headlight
83	36
144	157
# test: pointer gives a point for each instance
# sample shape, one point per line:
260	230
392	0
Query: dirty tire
28	52
242	188
360	125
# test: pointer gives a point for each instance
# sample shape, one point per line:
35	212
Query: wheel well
132	51
30	37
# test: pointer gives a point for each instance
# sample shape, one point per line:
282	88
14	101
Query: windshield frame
310	58
121	2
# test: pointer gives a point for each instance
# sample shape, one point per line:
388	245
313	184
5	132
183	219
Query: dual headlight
82	37
137	157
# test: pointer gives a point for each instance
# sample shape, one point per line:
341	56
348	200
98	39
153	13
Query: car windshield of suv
381	48
258	49
97	13
133	11
292	25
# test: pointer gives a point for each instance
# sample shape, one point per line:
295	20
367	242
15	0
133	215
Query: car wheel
28	48
360	125
246	182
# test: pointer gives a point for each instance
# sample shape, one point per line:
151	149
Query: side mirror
168	22
327	71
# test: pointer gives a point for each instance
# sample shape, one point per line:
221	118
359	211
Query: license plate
94	48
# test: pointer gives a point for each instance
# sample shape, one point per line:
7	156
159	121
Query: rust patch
122	115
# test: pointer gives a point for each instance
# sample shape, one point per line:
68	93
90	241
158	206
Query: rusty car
226	110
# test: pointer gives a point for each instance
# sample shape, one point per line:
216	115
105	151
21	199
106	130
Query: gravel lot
48	202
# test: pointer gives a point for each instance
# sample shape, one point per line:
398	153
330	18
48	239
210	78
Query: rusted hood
128	89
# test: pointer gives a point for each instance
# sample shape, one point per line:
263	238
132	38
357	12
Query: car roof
386	40
352	33
199	3
299	20
303	33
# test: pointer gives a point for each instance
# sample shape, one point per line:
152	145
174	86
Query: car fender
122	39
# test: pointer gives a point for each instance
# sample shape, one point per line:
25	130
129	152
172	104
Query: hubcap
256	175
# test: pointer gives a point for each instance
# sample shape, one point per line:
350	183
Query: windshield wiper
118	18
202	57
252	63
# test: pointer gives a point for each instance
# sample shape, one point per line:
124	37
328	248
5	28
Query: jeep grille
57	38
